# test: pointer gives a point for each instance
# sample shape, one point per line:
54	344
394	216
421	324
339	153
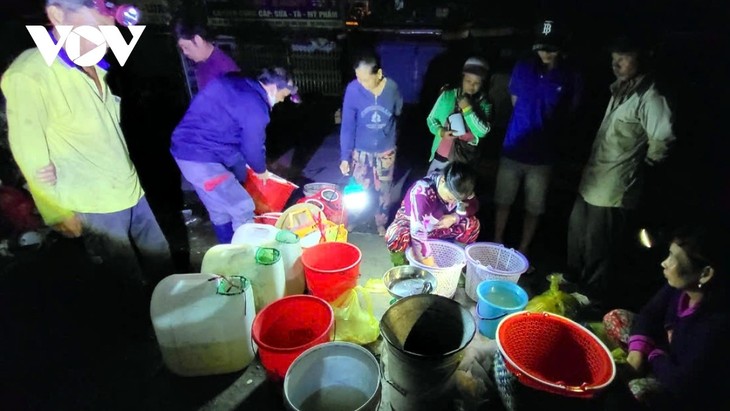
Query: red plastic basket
551	353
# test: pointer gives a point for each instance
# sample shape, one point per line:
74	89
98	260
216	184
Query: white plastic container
262	266
203	323
291	255
255	234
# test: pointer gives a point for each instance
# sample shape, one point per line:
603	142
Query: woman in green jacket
465	105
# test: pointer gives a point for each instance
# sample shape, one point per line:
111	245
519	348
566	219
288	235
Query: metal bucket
425	335
336	376
406	280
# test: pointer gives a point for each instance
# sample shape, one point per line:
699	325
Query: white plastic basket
450	261
492	261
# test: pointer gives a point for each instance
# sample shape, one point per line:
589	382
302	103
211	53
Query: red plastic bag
267	218
269	197
17	211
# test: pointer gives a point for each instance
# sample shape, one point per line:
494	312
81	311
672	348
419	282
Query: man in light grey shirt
635	134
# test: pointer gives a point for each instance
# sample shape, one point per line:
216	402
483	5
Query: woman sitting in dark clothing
678	345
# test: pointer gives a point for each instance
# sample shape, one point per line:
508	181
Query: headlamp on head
462	205
461	201
294	90
294	96
126	14
280	77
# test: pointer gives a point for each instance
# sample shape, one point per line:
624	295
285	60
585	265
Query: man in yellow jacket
64	133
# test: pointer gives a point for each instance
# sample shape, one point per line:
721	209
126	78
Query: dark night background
42	307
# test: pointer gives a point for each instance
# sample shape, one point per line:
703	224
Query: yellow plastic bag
554	300
335	232
375	285
353	322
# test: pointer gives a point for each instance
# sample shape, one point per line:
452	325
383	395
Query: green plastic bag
554	300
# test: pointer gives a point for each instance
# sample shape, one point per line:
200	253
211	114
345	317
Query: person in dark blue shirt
367	136
223	131
545	92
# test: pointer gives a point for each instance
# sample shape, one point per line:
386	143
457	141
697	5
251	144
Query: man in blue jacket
223	131
546	92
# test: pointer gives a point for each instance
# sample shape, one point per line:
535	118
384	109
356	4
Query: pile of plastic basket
544	357
450	260
492	261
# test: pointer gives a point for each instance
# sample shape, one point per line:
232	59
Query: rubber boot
224	232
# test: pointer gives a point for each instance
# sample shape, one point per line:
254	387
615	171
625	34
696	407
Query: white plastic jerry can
255	234
291	255
203	323
262	266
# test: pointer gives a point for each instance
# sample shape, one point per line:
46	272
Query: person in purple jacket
195	42
223	131
368	131
678	344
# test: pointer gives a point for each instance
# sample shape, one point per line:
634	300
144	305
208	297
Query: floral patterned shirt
425	208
